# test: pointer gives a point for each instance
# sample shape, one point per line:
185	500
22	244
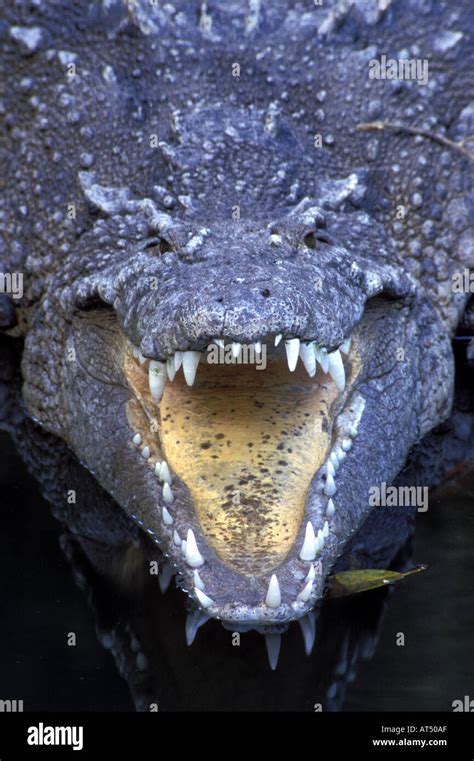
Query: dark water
41	604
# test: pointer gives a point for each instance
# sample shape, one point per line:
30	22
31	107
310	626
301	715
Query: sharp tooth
273	643
165	576
292	351
329	486
203	599
330	510
345	347
336	369
308	630
311	575
334	459
198	582
170	367
193	556
308	358
346	445
340	454
322	357
165	474
178	360
194	621
236	347
273	598
308	550
258	347
278	339
320	541
146	453
330	468
167	494
219	342
136	351
183	547
326	529
167	517
141	358
176	539
137	439
156	379
190	363
157	469
353	432
305	593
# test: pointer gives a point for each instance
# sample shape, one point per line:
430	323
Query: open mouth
235	435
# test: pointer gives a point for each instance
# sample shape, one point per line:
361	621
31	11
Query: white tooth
190	363
308	630
329	486
176	538
137	439
292	351
146	453
136	351
157	379
193	556
141	358
353	432
345	347
311	575
278	339
170	367
334	458
305	593
165	474
157	469
320	541
336	369
198	582
178	360
203	599
194	621
220	342
308	550
167	517
236	347
308	358
273	598
183	547
165	576
341	455
330	510
330	468
273	643
258	347
346	445
167	494
326	529
322	357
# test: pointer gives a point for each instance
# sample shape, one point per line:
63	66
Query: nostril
265	293
220	300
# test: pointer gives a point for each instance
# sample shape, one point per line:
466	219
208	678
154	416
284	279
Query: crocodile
240	251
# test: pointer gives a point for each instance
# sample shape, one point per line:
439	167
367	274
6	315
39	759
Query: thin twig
460	147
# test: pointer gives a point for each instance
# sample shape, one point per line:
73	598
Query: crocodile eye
311	240
158	246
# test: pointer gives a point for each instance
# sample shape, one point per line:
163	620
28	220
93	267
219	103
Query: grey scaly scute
176	174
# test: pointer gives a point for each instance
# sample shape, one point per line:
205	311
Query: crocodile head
238	386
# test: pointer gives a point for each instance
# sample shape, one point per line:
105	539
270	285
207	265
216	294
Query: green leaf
353	582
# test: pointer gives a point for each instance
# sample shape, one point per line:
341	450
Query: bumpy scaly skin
152	137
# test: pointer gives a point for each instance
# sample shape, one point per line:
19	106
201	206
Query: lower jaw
245	446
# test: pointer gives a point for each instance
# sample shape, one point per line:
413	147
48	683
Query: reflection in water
146	628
